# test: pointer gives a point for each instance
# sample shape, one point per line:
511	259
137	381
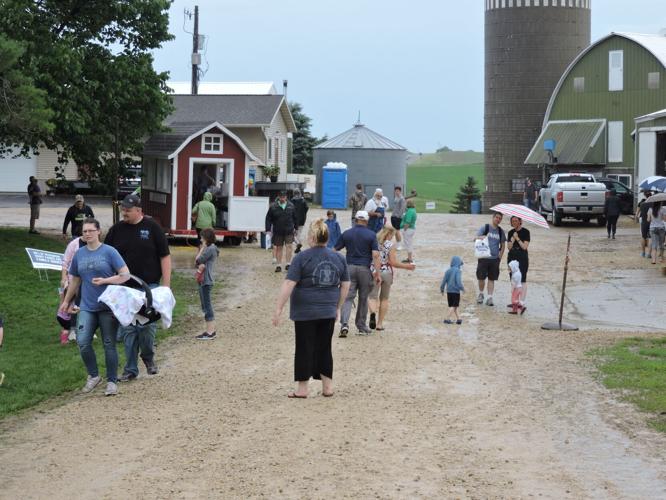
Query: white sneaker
489	301
479	299
111	389
91	383
72	335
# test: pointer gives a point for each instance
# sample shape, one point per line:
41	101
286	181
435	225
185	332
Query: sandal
380	328
293	395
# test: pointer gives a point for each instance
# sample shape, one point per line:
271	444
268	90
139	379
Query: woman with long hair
317	283
657	231
93	268
378	301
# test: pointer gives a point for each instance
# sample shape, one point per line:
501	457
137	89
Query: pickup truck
577	196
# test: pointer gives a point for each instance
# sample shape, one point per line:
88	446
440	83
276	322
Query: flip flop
380	328
293	395
328	394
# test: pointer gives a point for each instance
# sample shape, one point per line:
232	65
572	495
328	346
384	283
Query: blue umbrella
653	183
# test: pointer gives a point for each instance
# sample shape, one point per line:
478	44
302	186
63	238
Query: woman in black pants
318	283
518	240
612	211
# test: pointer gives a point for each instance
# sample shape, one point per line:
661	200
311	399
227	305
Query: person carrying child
205	261
453	286
333	228
517	305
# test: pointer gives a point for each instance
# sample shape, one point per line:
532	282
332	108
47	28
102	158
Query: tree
23	108
445	149
303	141
90	61
464	197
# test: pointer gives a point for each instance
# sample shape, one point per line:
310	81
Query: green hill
440	183
445	158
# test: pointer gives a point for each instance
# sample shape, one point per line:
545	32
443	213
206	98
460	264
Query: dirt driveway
494	408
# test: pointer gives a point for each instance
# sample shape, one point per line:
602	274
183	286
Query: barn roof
360	137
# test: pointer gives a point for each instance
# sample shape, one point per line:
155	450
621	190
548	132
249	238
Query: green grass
441	183
36	366
447	158
636	369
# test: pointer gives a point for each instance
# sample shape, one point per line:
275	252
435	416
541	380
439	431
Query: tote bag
482	248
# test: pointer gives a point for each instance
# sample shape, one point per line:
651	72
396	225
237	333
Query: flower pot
273	178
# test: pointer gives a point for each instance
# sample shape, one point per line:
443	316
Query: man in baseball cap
362	250
76	214
131	201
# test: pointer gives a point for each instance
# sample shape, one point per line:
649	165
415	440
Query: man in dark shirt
76	214
530	194
362	250
143	246
35	200
280	224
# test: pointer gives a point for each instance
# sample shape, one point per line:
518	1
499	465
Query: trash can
476	206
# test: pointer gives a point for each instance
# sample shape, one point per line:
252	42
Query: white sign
41	259
430	205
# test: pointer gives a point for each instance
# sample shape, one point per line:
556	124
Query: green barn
592	112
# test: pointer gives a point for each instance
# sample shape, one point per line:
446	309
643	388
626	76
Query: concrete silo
528	46
371	159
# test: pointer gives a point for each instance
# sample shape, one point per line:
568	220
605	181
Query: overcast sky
414	69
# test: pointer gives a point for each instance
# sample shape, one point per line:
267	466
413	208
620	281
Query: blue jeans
108	325
138	338
206	306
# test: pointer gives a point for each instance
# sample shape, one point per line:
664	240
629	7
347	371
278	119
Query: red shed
180	165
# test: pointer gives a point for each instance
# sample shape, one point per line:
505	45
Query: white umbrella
524	213
653	183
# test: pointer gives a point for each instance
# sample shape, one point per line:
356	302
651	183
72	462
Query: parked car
623	192
573	195
129	183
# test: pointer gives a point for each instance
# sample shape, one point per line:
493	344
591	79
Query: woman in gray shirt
317	283
205	261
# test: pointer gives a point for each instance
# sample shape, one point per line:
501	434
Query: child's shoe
514	308
448	322
458	322
64	337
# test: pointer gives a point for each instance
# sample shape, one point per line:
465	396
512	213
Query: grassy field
447	158
440	183
36	366
636	370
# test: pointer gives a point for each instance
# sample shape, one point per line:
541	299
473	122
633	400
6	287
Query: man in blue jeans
142	244
362	250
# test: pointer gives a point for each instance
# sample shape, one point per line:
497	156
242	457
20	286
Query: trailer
179	166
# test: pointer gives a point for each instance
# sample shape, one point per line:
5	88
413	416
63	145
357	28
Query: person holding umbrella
518	241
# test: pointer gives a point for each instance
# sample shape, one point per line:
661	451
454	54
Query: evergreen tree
464	197
303	141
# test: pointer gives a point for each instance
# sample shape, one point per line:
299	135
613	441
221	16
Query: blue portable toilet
334	185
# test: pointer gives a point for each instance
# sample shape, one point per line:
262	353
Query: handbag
199	275
482	248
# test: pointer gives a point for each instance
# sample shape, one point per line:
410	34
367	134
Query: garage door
14	173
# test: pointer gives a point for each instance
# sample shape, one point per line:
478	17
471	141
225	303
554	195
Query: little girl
205	261
64	318
516	288
453	285
333	228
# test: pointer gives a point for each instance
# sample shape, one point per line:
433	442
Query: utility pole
196	57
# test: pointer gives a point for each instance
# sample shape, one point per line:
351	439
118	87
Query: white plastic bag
268	240
482	248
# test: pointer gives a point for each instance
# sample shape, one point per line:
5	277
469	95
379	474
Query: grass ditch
36	366
635	370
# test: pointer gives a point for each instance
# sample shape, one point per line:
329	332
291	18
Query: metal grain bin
371	159
528	45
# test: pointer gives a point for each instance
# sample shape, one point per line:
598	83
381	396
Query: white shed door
647	155
14	173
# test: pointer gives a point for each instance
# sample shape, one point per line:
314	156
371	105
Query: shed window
579	84
615	142
615	70
623	178
653	80
211	143
163	176
148	179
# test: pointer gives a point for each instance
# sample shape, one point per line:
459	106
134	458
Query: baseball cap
363	215
78	197
130	201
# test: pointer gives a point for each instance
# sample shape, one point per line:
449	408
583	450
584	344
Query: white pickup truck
577	196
